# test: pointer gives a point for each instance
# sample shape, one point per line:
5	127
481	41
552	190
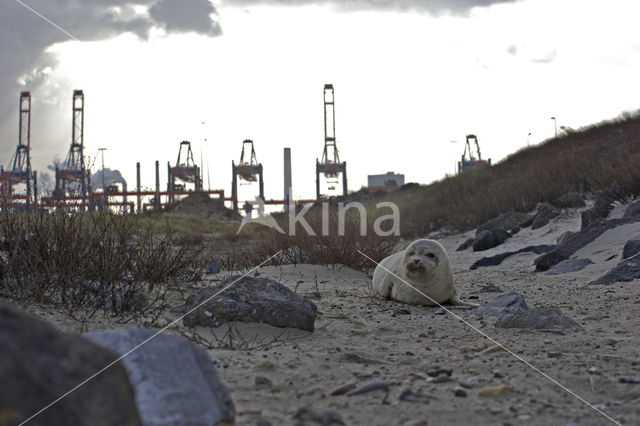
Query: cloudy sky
410	77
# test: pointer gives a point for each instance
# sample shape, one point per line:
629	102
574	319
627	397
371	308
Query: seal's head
422	258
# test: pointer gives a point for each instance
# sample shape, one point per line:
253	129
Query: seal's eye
431	255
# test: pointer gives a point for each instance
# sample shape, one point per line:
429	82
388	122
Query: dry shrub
85	262
603	157
332	249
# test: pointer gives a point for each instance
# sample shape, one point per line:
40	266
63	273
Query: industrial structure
330	166
248	170
468	160
19	171
185	171
388	182
74	179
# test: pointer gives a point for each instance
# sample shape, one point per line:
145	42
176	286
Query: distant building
388	182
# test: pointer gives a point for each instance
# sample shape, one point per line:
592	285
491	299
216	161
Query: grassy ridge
605	156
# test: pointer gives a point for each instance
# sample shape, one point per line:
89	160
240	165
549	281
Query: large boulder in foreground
175	382
489	239
250	299
39	364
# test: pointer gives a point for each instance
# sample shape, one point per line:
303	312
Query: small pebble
459	392
493	390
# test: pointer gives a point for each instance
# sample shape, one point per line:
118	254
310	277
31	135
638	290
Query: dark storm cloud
24	36
431	6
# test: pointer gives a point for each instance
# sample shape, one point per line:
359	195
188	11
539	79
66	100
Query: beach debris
370	387
493	390
408	395
343	389
250	299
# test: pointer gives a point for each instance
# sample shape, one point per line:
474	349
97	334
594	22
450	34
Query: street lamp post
555	124
528	136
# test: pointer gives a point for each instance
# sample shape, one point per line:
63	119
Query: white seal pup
425	266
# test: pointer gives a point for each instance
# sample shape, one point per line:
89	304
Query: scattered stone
579	240
467	243
629	380
40	363
599	212
402	312
631	248
507	221
174	381
460	392
262	381
488	239
493	349
440	372
358	359
343	389
370	387
626	270
564	237
569	265
250	299
503	305
493	390
440	311
538	319
324	418
545	213
490	288
408	395
213	267
499	258
633	209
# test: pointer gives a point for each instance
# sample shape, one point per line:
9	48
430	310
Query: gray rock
488	239
370	387
545	318
175	382
631	248
626	270
499	258
509	303
468	243
569	265
564	237
490	288
506	221
545	213
212	267
579	240
40	363
633	209
599	212
250	299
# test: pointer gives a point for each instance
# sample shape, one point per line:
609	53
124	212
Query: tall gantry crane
330	166
74	170
248	170
468	160
185	171
19	170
